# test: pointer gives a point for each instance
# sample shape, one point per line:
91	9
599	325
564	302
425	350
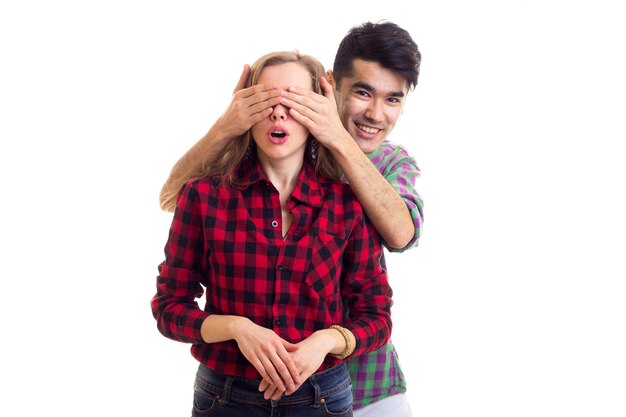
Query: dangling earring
314	149
250	150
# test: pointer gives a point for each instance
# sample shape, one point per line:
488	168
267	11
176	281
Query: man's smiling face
370	101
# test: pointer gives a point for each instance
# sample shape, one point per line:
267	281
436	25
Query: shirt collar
307	191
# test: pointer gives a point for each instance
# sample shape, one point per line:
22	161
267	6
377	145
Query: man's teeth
368	129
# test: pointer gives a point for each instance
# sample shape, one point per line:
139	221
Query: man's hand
318	113
247	107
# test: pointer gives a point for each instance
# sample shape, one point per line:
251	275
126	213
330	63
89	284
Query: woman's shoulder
339	192
209	185
334	185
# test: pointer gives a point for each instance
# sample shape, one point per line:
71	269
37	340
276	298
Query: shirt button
277	322
280	267
274	223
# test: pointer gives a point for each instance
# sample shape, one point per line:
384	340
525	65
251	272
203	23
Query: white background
513	305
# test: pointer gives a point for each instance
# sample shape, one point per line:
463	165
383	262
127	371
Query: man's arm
383	205
191	165
247	107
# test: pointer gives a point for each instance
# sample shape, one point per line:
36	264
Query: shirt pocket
326	265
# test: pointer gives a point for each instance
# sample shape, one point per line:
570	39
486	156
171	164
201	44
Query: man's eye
362	93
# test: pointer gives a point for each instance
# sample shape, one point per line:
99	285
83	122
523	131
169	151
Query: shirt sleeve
181	274
366	290
402	174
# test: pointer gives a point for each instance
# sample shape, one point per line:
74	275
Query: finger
243	78
264	103
292	390
257	114
300	108
257	117
277	395
272	392
266	369
263	385
259	97
258	365
301	96
290	362
302	119
279	360
272	374
327	88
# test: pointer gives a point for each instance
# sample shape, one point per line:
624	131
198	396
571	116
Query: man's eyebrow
371	89
363	85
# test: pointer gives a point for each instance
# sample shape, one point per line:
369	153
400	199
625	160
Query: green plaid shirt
377	375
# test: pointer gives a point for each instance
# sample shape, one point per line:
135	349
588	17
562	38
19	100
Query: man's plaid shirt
378	375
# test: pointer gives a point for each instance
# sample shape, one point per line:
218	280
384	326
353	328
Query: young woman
288	263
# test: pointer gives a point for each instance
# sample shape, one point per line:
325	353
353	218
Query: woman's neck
282	174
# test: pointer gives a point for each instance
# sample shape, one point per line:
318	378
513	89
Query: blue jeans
326	393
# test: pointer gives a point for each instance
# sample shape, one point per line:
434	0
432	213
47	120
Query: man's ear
330	77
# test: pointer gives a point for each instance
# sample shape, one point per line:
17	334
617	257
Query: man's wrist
344	148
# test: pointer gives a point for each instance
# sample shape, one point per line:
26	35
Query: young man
375	67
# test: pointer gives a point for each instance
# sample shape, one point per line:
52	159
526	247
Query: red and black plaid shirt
228	243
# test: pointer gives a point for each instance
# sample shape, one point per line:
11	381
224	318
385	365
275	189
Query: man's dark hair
385	43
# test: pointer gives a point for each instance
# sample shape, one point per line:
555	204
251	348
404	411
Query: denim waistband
319	385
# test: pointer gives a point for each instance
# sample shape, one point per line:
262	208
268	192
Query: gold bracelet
349	343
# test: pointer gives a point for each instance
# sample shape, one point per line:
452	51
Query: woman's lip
276	140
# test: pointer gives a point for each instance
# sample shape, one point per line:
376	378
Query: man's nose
375	111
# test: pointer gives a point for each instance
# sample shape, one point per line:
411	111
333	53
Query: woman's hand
269	354
307	356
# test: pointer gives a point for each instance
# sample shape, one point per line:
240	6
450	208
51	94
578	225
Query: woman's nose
279	112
